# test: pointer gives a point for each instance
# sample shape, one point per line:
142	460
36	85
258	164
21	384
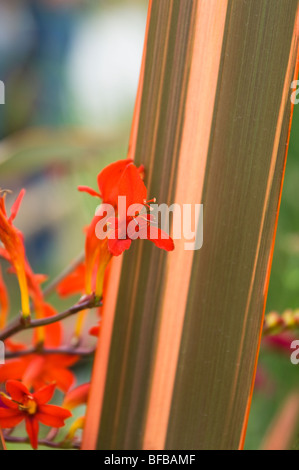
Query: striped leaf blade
176	362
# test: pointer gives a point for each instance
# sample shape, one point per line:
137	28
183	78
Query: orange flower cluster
30	376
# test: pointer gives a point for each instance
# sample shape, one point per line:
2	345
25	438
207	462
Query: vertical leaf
176	362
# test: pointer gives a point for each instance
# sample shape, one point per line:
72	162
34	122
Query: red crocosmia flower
12	240
112	183
4	302
31	407
38	370
135	223
121	179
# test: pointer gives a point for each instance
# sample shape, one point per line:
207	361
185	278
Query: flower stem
24	324
42	442
46	352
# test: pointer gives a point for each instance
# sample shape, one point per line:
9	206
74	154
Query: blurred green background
279	377
71	69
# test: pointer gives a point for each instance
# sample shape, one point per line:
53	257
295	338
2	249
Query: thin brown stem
21	325
43	442
46	352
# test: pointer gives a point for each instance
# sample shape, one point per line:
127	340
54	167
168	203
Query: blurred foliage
282	375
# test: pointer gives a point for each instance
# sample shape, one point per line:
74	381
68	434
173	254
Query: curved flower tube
12	240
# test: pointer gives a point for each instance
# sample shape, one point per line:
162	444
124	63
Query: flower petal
10	418
61	360
132	187
52	415
9	403
88	190
76	397
63	378
108	181
34	370
16	205
32	428
17	390
117	247
92	248
94	331
161	239
13	369
13	346
74	283
45	394
150	232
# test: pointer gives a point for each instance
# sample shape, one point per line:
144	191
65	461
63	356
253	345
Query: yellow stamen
78	424
101	274
24	292
89	272
39	311
79	324
30	407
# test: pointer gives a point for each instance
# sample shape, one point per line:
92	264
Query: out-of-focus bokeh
70	70
277	376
